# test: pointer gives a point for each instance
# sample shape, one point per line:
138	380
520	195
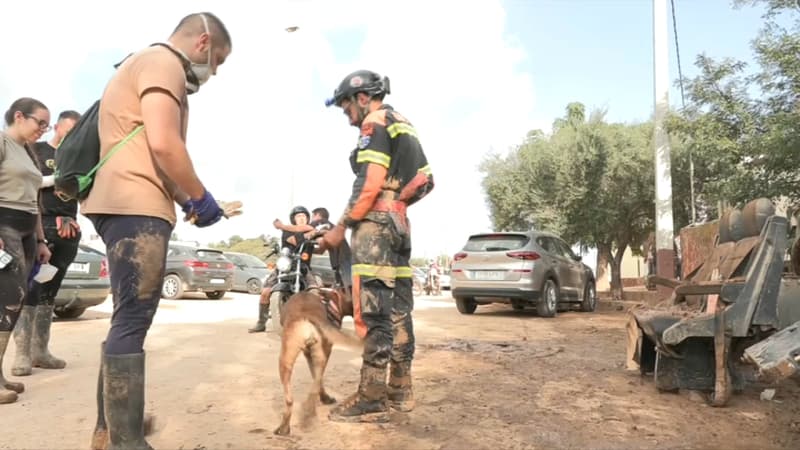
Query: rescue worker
132	203
292	236
61	230
392	173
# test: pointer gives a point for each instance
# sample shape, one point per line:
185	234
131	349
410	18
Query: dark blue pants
136	248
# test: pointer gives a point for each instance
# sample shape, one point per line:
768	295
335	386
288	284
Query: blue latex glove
205	211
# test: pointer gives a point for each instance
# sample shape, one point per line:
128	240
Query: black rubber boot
400	392
40	354
23	332
368	404
100	434
263	316
123	392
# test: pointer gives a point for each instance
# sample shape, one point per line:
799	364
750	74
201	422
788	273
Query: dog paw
283	430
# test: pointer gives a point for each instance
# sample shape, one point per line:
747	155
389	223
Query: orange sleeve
366	188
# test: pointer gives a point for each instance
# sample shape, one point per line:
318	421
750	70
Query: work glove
67	227
206	211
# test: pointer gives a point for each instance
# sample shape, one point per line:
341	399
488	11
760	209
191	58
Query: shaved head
192	26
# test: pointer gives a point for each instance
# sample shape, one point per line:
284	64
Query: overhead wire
683	103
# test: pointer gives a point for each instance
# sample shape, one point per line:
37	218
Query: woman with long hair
22	239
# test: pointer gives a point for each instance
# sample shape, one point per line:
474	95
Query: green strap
85	180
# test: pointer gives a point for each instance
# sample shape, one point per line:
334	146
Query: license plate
217	281
79	267
493	275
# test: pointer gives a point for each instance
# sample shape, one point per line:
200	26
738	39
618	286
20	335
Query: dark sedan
85	284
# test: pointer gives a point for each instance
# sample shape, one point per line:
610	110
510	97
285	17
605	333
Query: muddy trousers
384	320
136	248
18	232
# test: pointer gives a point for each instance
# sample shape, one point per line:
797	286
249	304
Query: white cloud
453	70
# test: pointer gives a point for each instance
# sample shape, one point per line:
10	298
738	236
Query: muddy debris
464	345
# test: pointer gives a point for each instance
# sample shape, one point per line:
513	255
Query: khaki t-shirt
130	182
19	177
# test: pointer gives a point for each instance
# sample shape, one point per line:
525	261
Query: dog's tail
341	338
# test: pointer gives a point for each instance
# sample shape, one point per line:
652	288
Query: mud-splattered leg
19	241
137	249
400	392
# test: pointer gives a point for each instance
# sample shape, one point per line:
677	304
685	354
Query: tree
740	127
590	182
259	246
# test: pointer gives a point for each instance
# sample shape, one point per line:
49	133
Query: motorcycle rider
292	236
340	257
433	275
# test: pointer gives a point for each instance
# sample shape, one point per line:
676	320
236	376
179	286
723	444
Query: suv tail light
229	266
196	264
103	268
525	256
459	256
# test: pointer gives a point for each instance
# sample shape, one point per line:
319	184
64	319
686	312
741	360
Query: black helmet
299	210
364	81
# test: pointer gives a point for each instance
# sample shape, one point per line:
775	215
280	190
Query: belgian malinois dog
312	322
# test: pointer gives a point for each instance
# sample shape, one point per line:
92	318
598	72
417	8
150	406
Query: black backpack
78	156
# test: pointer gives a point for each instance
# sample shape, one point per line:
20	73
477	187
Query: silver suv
522	268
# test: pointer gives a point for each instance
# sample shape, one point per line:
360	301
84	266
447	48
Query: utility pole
663	202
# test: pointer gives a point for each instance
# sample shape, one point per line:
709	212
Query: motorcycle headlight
283	264
285	251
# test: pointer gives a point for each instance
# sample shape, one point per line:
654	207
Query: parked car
249	272
85	284
531	268
196	269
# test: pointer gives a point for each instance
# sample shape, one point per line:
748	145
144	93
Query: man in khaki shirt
132	201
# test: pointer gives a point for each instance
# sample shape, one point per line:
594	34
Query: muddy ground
495	380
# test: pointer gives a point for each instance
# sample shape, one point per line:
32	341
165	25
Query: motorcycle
432	285
294	275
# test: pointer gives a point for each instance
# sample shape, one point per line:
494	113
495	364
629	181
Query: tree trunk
616	272
602	265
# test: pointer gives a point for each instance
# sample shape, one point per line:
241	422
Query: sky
473	77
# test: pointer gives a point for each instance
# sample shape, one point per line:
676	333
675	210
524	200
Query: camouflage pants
382	292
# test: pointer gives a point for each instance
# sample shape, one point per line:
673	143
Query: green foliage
252	246
741	122
590	182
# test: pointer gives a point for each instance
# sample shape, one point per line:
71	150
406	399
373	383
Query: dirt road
495	380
